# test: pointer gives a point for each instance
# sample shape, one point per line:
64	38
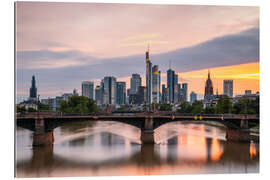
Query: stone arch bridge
42	125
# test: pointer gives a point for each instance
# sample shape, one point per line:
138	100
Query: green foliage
197	107
247	106
20	109
164	107
44	107
184	107
209	110
32	110
224	105
78	104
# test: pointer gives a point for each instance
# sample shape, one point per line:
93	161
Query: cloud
227	50
48	59
142	36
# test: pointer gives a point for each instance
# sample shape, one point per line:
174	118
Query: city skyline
235	39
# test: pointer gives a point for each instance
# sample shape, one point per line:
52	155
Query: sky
63	44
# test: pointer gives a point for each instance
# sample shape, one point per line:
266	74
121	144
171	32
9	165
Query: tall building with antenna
152	81
149	78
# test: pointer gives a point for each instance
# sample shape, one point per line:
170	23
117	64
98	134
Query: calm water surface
113	148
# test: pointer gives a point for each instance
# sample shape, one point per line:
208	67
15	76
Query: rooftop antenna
169	64
148	47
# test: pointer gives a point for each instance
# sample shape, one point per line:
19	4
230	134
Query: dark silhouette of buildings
208	88
33	89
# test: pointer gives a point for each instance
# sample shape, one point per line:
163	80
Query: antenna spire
169	64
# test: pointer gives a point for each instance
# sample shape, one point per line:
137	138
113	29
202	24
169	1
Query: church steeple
208	92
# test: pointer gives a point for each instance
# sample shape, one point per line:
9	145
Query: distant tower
228	88
193	97
208	87
149	78
88	89
155	84
135	82
121	93
170	85
33	89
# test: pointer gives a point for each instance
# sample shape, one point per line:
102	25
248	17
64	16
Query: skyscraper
175	89
148	78
170	85
208	87
135	82
120	93
109	90
33	89
228	88
185	91
88	89
98	95
141	93
155	84
163	98
193	97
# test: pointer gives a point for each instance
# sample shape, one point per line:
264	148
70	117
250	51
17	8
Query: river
108	148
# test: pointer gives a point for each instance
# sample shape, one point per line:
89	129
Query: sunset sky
63	44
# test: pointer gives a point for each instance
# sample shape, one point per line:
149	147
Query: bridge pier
238	135
147	132
41	137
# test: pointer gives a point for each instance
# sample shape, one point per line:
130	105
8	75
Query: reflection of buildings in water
252	150
208	149
216	150
181	151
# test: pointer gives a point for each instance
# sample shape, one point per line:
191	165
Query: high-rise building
121	93
193	97
175	89
33	89
163	98
208	88
185	91
141	95
148	78
228	88
135	82
155	84
98	95
170	85
88	89
109	90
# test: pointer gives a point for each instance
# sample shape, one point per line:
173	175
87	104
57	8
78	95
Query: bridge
238	126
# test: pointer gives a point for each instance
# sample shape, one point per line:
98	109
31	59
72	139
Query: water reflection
110	148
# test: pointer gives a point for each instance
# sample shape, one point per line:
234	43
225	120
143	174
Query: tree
197	107
209	110
184	107
78	104
44	107
247	106
224	105
20	109
164	107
